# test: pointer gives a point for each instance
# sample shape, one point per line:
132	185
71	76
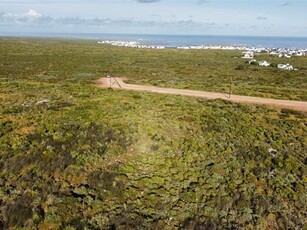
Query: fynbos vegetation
74	156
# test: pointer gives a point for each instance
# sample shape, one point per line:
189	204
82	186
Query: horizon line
31	34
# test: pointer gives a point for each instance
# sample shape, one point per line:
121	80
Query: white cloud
155	16
32	17
34	14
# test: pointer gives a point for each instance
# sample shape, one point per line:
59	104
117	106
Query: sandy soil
119	83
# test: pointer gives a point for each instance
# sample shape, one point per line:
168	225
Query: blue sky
208	17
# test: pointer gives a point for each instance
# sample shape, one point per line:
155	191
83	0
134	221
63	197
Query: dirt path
119	84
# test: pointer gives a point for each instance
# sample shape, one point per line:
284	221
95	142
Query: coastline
135	44
184	41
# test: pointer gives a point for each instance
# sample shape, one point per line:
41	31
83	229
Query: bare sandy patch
118	83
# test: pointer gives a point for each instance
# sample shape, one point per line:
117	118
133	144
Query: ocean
192	40
196	40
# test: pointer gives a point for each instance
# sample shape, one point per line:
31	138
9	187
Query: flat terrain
206	70
119	83
76	156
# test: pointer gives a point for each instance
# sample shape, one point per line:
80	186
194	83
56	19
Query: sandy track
120	84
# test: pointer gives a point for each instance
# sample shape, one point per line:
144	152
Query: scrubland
75	156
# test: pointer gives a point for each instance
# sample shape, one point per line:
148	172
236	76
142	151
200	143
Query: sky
190	17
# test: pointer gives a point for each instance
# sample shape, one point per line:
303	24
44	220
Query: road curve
120	84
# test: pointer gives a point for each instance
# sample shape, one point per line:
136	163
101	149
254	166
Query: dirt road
119	83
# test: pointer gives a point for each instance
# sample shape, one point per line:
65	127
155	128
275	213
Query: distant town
280	52
248	52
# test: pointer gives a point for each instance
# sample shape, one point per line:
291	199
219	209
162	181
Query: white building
298	54
285	66
287	56
248	54
264	63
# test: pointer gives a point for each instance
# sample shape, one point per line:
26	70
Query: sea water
192	40
197	40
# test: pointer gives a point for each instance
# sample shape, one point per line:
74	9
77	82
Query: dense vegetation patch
74	156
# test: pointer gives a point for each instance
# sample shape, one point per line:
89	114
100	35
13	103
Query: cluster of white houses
212	47
282	53
249	52
267	64
288	53
130	44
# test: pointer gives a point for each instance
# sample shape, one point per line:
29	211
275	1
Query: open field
73	155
